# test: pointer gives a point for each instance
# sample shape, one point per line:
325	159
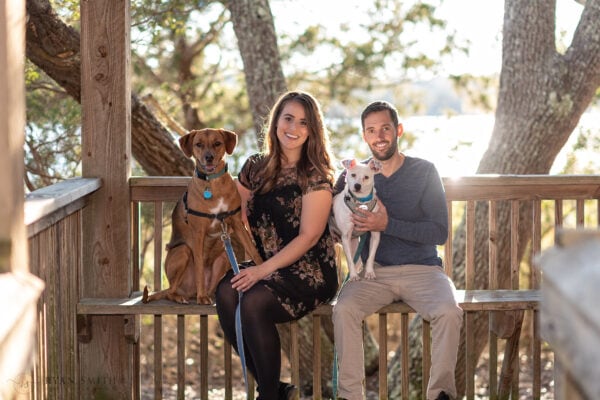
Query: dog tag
207	193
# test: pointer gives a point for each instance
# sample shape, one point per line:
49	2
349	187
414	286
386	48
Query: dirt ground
216	363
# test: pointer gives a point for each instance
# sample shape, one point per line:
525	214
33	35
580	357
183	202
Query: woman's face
292	127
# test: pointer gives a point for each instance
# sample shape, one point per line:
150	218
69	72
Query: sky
479	21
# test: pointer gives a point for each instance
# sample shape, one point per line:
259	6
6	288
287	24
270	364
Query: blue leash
334	374
238	316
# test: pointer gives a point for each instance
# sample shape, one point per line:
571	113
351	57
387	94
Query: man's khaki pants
429	291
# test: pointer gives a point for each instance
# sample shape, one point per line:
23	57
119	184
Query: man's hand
371	221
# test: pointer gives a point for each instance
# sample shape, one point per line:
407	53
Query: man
412	218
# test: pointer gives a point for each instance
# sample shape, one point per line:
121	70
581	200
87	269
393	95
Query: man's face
381	135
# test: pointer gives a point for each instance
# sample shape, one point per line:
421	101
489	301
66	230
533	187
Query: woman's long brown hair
314	158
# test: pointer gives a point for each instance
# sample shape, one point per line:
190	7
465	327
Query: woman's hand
248	277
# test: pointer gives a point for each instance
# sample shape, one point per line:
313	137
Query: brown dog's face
208	147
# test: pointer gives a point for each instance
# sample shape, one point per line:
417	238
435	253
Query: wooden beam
18	288
106	361
13	241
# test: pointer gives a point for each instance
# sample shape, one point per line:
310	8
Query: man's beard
388	154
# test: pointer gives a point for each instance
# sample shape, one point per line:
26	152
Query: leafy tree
543	93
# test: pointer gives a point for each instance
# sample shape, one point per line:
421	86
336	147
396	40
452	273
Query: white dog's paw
370	275
354	278
359	267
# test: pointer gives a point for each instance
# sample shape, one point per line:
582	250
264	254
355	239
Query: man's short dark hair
377	106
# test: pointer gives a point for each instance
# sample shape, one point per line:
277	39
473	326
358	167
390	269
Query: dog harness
207	195
354	203
220	216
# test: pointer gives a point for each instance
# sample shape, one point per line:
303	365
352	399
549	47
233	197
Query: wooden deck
506	207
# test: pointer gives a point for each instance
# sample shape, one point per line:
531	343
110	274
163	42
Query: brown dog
196	258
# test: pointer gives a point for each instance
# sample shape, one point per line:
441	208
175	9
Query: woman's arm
316	207
245	194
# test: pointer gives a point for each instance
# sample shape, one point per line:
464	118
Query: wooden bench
469	300
508	207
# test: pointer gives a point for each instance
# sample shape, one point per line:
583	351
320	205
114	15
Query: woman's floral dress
274	220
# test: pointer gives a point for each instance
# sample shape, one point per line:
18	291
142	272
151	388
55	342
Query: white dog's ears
348	163
375	165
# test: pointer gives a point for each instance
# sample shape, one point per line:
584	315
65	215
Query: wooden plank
404	384
295	355
181	357
470	246
514	245
43	202
157	245
426	337
158	362
523	187
580	213
480	187
227	367
537	356
316	335
448	261
106	362
469	300
470	355
383	350
204	357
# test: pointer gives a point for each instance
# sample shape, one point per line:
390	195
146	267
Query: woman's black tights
260	312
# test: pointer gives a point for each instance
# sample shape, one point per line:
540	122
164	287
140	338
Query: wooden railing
53	219
490	217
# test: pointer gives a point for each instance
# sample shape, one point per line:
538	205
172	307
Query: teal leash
334	374
238	316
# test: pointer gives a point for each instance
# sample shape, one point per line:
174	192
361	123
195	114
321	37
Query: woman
286	197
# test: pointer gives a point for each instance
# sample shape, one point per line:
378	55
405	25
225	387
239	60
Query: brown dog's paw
203	300
179	299
145	295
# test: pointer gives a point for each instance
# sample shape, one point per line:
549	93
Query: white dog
358	193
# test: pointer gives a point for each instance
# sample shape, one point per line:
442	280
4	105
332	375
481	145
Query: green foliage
364	57
184	54
582	157
183	58
53	131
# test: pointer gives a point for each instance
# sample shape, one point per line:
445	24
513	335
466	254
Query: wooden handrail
475	187
45	206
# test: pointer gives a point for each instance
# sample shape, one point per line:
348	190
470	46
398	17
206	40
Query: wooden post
13	240
569	319
19	290
106	361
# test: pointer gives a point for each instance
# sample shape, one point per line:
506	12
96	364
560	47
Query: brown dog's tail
145	295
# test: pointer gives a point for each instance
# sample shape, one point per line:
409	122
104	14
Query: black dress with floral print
274	219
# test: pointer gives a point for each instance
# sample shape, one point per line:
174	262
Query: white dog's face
360	177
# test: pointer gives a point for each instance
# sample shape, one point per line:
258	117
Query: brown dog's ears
230	140
186	142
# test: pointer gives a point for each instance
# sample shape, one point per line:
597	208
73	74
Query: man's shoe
443	396
287	391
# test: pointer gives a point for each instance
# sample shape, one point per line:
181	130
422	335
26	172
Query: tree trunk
257	41
54	47
542	96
